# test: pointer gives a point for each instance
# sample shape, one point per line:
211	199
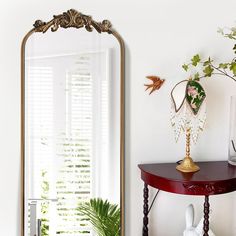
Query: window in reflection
68	138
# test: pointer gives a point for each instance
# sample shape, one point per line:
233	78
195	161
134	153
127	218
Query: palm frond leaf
104	216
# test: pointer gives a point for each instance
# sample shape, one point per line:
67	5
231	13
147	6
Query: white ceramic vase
232	132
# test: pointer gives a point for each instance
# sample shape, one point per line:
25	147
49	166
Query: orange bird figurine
156	83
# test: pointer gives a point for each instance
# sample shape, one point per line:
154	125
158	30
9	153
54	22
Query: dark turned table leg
145	210
206	216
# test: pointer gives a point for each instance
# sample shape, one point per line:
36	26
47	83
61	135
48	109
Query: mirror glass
72	129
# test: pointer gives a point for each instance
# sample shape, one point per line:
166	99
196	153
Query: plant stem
223	72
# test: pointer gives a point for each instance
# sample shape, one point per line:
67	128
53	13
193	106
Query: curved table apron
213	178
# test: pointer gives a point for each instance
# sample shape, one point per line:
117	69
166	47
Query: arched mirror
72	128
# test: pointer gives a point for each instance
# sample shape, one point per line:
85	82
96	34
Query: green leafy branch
207	67
231	34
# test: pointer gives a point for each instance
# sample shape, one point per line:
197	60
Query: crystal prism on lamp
188	114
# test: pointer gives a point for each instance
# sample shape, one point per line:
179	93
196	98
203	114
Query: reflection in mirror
72	130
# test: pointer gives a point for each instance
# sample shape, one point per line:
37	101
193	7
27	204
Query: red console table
213	178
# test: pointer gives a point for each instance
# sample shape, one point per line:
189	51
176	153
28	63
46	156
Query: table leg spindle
206	216
145	210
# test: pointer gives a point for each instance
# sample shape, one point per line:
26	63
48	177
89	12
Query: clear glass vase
232	132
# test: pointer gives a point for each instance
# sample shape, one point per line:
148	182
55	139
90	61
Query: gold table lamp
188	114
187	165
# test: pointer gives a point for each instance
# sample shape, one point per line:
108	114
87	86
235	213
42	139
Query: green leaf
234	48
206	63
196	76
195	60
223	65
233	67
104	216
185	67
220	31
233	29
208	71
230	36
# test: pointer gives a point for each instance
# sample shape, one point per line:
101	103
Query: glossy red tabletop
213	178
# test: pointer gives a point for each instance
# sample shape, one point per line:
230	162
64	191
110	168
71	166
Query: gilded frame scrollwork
75	19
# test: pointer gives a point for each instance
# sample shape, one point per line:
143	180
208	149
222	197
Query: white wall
160	36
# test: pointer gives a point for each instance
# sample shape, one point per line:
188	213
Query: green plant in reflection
104	216
44	205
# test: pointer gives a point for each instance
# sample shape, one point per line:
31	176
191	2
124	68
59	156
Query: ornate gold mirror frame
73	19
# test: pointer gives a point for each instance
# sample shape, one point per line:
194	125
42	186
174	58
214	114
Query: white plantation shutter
39	119
68	116
40	122
74	179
